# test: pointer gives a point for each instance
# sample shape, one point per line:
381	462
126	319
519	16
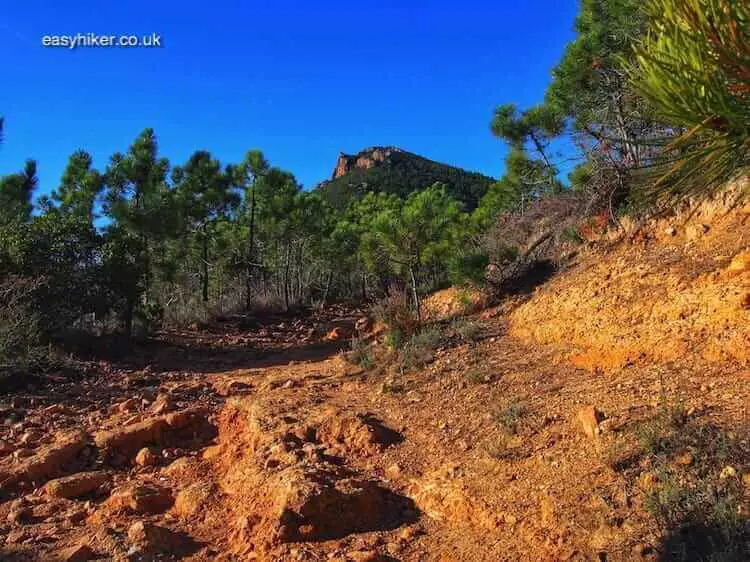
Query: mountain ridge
392	169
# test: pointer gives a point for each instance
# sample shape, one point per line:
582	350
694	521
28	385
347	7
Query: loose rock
75	485
589	418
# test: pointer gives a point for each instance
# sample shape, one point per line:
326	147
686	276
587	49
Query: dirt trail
257	440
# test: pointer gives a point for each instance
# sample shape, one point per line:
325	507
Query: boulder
75	485
48	460
131	438
148	498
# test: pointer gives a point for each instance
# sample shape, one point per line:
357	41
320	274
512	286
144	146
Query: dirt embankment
679	286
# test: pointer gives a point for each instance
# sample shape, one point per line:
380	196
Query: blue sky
301	80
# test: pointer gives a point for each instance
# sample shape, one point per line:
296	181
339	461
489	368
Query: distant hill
393	170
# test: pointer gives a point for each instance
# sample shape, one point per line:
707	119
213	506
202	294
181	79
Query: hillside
607	425
392	170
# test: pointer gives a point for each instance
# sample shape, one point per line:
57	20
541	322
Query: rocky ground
268	439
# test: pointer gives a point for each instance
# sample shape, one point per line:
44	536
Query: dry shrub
21	324
396	312
525	249
514	232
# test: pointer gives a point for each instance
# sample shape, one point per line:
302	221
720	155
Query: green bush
419	350
469	331
360	354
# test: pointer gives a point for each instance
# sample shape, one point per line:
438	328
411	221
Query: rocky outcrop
389	169
364	160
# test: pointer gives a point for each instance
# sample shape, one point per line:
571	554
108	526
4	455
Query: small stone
363	324
162	404
685	458
79	553
695	231
22	453
670	231
151	538
5	448
393	548
408	533
739	264
727	472
55	409
589	418
18	513
146	457
364	556
31	436
129	405
393	471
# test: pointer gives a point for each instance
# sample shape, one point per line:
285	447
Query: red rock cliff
368	158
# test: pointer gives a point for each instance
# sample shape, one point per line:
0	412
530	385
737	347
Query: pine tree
694	69
15	195
139	204
79	188
204	196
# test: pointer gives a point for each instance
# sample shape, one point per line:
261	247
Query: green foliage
694	69
581	175
79	188
15	195
468	331
360	353
203	195
526	177
588	84
420	348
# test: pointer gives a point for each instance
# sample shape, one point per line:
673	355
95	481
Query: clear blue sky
301	80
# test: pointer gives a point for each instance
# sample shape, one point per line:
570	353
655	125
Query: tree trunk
415	295
129	310
286	276
250	251
328	287
205	267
